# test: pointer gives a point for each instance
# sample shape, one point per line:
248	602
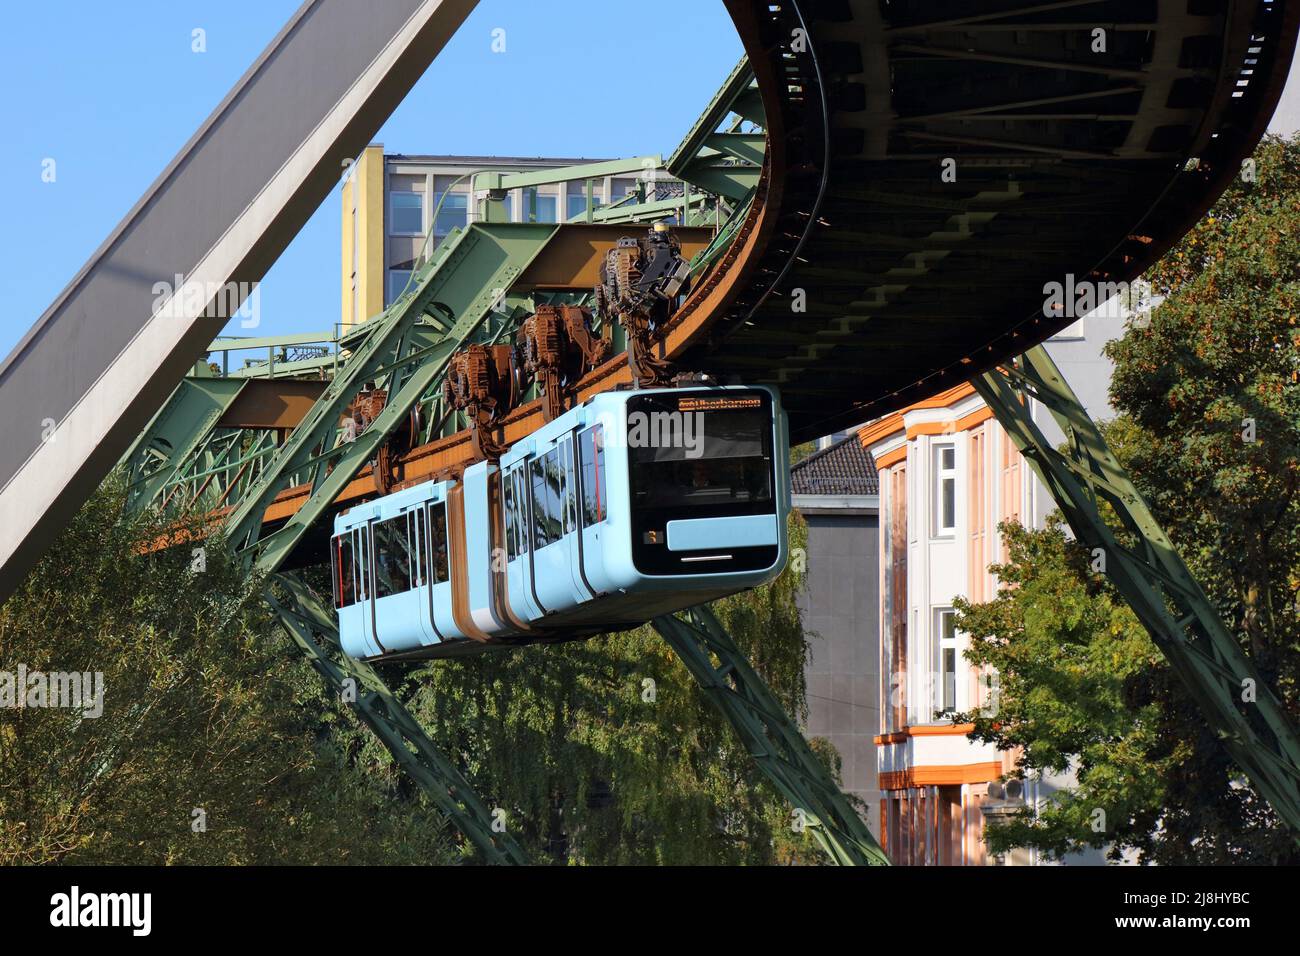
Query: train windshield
706	454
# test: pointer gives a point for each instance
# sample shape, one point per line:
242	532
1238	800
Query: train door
439	572
421	576
366	582
552	579
514	508
347	556
593	504
398	606
573	543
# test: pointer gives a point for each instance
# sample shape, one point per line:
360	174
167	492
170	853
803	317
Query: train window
362	563
438	540
591	452
415	531
548	487
392	557
568	486
521	510
715	459
508	513
345	579
515	510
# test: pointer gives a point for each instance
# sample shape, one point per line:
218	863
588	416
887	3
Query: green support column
1150	575
770	736
314	630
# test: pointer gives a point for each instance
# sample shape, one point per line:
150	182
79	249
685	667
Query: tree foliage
1209	428
208	708
214	745
606	751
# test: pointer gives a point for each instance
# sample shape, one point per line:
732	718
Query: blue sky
111	91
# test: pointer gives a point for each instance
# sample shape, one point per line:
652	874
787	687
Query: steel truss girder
468	277
770	736
176	435
1151	576
312	627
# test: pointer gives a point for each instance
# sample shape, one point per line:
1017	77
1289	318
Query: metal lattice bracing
1086	479
315	631
770	735
455	298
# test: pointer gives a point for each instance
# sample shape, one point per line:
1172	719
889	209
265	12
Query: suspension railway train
634	504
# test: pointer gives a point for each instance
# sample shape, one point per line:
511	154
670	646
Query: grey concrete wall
841	605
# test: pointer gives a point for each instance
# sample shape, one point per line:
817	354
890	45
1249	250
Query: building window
620	188
946	695
397	280
405	213
452	204
576	198
540	206
945	490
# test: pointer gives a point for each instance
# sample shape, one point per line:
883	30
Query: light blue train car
634	504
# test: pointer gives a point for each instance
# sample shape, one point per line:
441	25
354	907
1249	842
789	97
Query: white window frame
424	211
941	476
944	642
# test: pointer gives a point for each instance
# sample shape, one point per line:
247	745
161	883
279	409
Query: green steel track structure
770	736
461	295
1087	483
466	293
314	630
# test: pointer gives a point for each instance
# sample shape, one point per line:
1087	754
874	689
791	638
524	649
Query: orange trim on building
940	776
893	424
872	433
868	435
926	730
891	458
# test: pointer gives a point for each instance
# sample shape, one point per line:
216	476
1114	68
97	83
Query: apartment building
397	208
948	476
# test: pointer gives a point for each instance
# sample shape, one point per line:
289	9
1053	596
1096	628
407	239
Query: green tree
208	708
1209	428
214	745
605	751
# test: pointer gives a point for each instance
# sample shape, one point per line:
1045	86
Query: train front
707	487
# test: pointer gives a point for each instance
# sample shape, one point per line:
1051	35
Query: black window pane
724	459
415	526
554	497
343	562
539	503
508	513
591	452
438	541
392	557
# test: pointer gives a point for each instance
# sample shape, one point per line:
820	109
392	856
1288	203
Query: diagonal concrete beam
105	355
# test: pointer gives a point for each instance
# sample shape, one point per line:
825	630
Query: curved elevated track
1063	162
